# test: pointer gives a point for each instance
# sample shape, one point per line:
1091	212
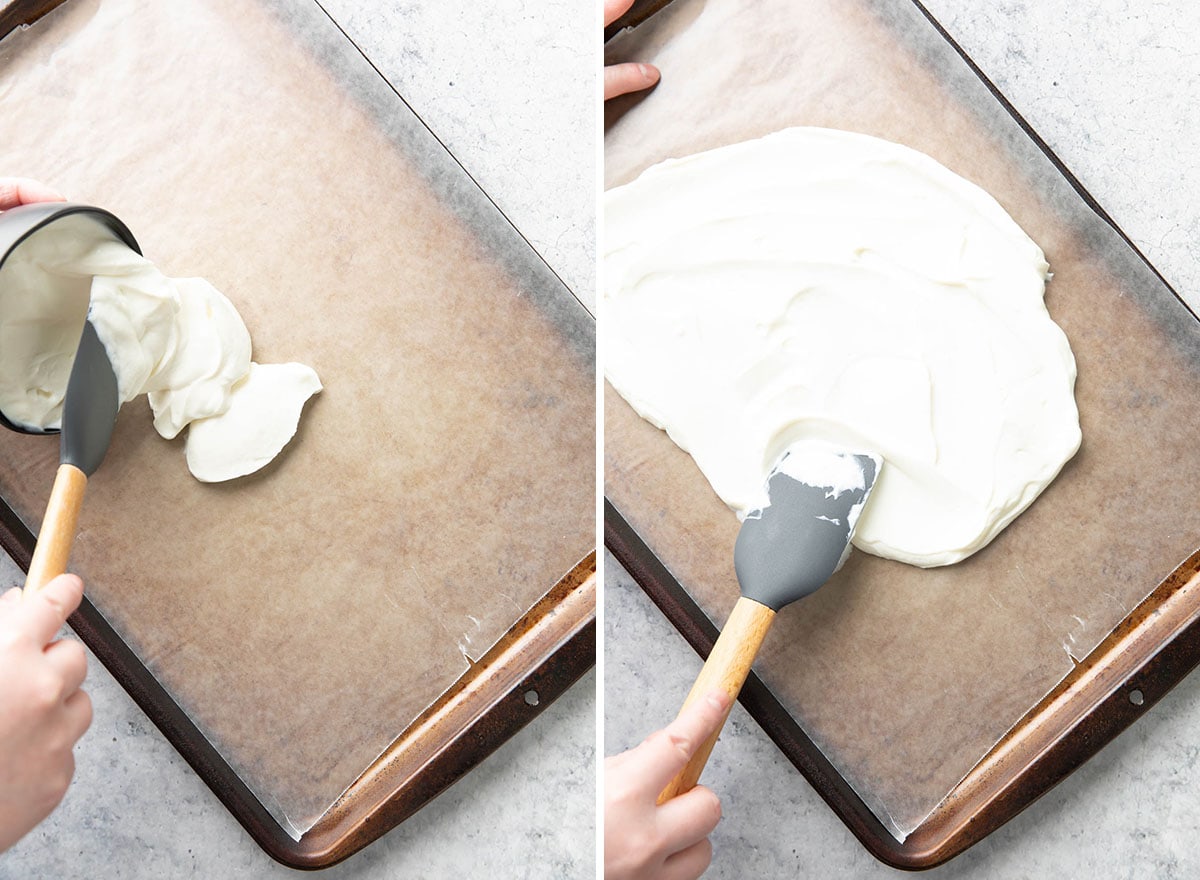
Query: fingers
78	710
663	754
45	611
23	191
68	659
620	79
614	9
689	864
689	818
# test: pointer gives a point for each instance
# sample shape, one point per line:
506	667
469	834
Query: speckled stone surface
136	811
1114	87
488	77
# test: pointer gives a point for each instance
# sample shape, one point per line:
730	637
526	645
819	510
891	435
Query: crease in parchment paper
906	678
303	619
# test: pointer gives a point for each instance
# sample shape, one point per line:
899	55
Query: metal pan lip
17	224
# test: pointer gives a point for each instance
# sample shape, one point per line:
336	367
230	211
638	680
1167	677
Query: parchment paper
440	485
905	677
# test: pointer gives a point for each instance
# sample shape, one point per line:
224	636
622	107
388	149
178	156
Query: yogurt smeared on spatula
178	340
823	285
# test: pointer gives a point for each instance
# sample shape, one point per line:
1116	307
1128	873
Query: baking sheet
439	486
905	678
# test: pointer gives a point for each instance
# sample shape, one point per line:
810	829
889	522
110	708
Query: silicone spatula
784	552
89	413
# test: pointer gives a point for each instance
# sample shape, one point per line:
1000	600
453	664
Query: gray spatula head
790	548
90	406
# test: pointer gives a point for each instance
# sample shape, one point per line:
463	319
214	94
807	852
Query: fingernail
717	699
650	74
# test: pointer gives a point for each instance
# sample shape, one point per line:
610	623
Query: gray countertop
1113	87
135	809
510	88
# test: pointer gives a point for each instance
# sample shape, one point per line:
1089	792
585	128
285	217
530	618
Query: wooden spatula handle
726	668
57	534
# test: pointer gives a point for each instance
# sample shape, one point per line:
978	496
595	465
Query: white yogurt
178	340
823	285
263	414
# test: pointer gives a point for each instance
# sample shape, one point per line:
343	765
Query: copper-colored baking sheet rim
541	656
1149	652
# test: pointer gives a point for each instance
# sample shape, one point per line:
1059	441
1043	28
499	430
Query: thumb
44	611
666	752
23	191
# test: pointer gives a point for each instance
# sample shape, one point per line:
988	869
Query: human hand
643	841
630	77
23	191
43	713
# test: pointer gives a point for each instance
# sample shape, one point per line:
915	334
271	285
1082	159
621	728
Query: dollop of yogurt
818	285
179	341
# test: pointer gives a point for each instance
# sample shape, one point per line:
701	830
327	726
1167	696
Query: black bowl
17	224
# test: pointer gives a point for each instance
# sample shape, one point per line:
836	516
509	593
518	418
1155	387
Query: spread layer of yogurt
829	286
178	340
